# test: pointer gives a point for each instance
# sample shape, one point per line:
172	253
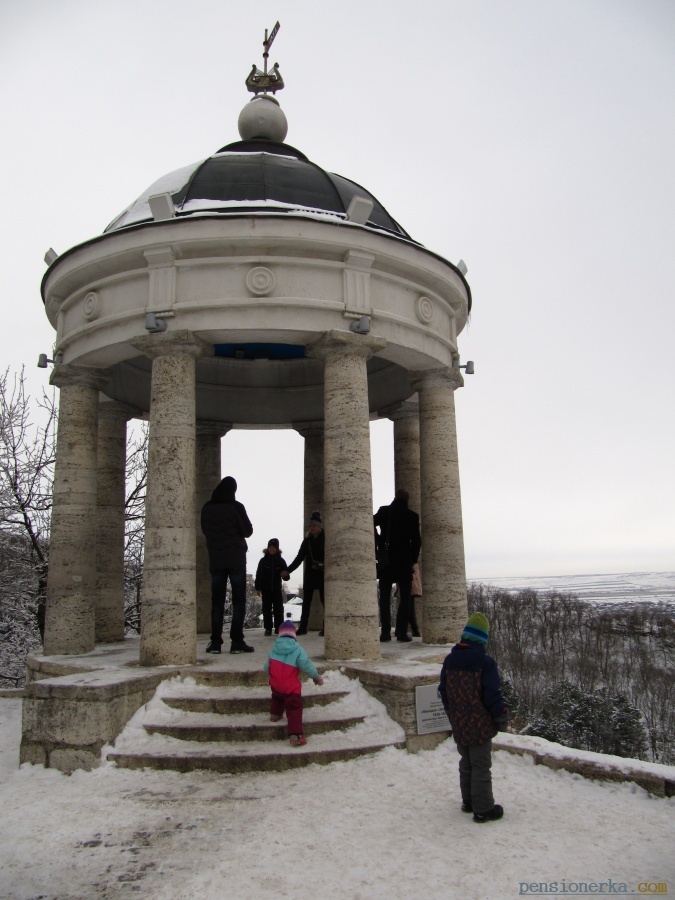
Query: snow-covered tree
594	721
617	665
27	452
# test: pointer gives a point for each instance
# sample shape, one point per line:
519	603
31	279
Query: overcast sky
535	139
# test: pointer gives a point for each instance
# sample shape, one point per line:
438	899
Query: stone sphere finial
264	119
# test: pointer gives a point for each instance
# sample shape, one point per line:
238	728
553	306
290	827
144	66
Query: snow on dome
139	210
258	173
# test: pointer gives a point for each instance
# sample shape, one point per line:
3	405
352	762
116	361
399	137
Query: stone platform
74	705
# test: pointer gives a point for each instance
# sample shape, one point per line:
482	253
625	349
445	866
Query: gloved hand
318	681
502	721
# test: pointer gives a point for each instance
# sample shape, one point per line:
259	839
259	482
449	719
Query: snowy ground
614	588
387	826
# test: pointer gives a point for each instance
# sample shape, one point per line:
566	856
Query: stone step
251	756
212	700
250	731
220	677
194	724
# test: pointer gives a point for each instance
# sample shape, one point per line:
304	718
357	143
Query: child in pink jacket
286	660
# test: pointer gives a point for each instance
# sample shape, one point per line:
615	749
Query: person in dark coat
471	693
400	535
312	553
226	526
271	569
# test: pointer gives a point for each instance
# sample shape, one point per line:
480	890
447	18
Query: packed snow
388	825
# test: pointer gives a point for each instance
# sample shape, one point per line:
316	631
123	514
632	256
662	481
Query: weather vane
263	81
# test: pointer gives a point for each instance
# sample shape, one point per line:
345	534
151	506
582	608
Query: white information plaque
430	713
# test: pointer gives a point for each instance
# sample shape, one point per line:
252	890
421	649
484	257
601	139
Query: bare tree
27	453
613	665
134	531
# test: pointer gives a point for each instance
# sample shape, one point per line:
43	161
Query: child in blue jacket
286	660
471	693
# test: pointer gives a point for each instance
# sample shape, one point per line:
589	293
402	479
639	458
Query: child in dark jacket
271	569
286	660
471	693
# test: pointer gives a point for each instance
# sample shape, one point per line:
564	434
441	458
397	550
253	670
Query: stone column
406	421
111	467
351	622
445	605
71	581
207	478
169	618
313	434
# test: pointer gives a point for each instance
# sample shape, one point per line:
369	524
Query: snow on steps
221	725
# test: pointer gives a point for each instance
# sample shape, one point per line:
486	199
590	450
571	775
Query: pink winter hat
287	628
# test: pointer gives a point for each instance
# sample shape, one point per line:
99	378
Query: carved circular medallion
90	306
260	281
424	309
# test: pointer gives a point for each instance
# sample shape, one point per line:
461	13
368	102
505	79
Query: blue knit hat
477	629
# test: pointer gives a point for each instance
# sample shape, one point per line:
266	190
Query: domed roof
257	176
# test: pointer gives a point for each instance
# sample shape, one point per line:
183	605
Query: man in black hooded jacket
226	526
400	535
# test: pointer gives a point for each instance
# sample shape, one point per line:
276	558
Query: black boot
491	815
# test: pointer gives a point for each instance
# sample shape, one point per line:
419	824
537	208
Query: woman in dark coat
311	552
271	569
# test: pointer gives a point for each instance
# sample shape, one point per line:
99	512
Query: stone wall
397	693
67	720
652	777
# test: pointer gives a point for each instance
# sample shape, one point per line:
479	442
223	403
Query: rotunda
252	289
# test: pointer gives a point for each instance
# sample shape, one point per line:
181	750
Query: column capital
67	374
172	343
346	343
436	378
207	427
113	409
309	429
408	409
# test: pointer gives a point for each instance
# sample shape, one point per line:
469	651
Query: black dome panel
256	176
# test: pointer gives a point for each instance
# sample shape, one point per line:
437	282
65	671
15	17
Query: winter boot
491	815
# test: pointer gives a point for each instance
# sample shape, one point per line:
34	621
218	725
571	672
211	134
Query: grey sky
533	139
